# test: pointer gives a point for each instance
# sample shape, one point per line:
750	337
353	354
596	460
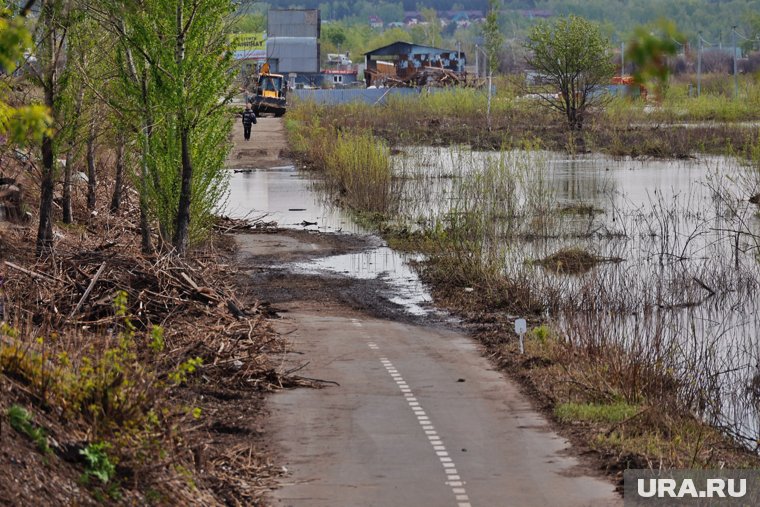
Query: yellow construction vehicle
271	90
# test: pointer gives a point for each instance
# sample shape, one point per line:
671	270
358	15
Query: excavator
270	93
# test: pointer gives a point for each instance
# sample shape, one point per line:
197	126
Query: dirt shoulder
267	147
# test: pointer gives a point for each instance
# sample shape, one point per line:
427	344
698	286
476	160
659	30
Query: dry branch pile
68	299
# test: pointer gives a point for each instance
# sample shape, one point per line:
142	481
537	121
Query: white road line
453	480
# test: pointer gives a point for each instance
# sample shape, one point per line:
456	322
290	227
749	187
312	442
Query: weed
180	374
21	421
608	413
98	463
541	333
157	342
359	164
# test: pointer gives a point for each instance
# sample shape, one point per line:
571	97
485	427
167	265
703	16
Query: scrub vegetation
678	127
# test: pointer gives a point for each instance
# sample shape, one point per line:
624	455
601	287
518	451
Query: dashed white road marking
453	480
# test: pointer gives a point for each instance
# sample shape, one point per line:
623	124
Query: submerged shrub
359	164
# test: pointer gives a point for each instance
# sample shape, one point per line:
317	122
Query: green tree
177	71
431	29
334	34
573	60
52	30
492	35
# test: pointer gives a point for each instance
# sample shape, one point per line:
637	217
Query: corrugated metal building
293	41
293	23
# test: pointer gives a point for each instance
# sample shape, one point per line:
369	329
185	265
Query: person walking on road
249	118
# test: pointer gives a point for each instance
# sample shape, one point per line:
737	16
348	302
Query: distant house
402	60
376	22
412	18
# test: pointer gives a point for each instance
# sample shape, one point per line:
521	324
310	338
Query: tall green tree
649	50
572	58
492	35
175	72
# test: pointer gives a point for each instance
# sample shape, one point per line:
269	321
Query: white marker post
521	327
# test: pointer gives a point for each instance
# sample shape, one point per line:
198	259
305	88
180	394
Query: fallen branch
33	274
89	289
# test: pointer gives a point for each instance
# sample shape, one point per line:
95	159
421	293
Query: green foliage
21	420
493	37
99	464
250	23
23	124
157	342
541	333
180	374
334	34
573	57
360	165
179	94
649	50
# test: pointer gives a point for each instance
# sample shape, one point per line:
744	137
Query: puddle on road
382	263
286	196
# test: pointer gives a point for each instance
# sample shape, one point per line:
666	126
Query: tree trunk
45	231
182	226
146	243
68	216
119	178
44	243
91	175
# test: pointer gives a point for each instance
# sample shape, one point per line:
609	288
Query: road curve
419	419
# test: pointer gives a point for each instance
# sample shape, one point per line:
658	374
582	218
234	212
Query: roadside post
521	327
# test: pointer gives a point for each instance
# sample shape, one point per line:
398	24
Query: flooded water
288	197
285	195
682	289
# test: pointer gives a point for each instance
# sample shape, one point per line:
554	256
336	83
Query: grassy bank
632	394
624	127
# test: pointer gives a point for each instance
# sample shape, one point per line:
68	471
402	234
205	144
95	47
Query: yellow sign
247	41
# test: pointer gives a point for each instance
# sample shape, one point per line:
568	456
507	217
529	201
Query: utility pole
622	59
736	79
459	56
699	64
477	61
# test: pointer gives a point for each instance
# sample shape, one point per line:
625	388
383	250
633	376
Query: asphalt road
419	418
